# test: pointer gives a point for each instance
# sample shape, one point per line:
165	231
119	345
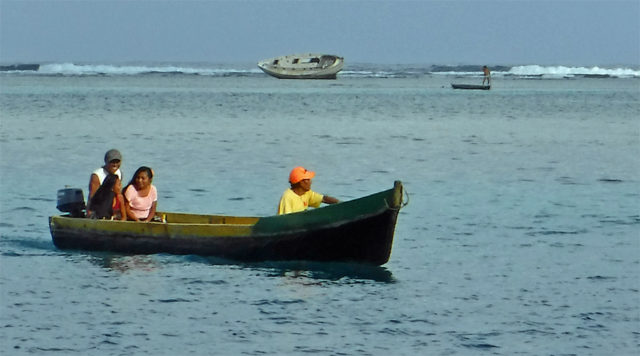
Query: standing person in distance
300	196
487	75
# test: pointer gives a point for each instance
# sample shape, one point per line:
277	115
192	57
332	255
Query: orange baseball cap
299	173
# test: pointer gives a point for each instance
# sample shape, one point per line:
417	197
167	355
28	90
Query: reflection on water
135	262
303	270
124	263
331	271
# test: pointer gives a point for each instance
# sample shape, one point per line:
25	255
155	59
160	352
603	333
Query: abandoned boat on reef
303	66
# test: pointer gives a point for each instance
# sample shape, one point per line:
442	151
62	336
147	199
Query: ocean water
521	236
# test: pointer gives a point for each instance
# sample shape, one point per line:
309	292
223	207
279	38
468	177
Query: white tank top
102	174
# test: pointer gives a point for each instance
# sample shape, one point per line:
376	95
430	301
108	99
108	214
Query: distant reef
466	68
20	67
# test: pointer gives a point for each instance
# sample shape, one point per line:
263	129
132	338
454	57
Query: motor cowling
71	200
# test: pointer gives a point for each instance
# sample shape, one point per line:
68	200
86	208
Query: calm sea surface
521	237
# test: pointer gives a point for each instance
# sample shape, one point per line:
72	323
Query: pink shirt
140	206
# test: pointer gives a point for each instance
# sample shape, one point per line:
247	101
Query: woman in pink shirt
140	196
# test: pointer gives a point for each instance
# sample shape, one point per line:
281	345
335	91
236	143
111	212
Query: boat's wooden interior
181	218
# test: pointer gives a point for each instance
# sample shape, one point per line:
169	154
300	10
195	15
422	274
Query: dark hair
106	187
103	196
146	169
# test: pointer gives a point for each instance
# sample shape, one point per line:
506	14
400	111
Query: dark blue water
521	237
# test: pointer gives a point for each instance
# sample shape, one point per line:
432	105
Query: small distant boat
303	66
359	230
471	86
20	67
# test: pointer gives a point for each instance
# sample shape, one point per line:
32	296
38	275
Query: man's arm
329	200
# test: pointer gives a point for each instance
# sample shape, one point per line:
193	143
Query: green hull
359	230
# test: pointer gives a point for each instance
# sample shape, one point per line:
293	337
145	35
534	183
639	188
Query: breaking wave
563	72
105	69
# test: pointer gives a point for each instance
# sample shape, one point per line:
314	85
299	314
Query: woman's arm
152	212
123	207
129	212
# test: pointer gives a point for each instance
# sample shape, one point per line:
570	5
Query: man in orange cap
300	196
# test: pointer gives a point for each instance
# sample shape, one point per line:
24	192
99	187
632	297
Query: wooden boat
303	66
471	86
359	230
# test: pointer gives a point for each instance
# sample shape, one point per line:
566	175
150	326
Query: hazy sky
577	32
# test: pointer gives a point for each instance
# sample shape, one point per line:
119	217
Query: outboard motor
71	200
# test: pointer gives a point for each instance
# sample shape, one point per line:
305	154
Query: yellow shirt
293	203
